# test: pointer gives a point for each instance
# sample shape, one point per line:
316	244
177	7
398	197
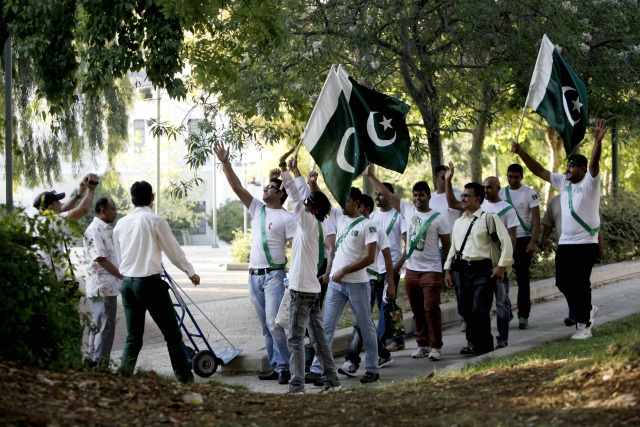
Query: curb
254	359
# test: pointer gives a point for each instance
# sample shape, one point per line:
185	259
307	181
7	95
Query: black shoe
273	375
467	350
312	377
369	377
284	376
568	321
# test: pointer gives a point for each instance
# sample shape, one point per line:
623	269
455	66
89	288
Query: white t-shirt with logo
352	247
280	226
586	204
508	217
438	202
383	243
426	255
382	221
523	200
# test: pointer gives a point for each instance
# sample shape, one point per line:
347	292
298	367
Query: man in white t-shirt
507	214
578	245
304	287
525	201
438	203
356	245
389	221
423	280
272	226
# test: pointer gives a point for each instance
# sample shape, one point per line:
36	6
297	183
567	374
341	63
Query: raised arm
448	189
382	189
223	156
86	192
535	167
312	180
598	132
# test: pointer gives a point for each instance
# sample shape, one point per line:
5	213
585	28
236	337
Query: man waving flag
558	95
350	126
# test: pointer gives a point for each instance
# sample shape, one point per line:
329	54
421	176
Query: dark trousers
476	294
573	273
356	339
384	307
521	264
140	295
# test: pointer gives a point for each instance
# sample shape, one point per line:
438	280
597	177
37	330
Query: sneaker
434	354
385	361
295	392
273	375
394	346
568	321
463	326
592	315
312	377
330	388
583	332
523	323
501	344
369	377
468	350
421	352
348	369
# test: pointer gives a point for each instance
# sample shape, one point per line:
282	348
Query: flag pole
521	120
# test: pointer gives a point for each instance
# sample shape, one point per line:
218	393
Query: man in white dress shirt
140	238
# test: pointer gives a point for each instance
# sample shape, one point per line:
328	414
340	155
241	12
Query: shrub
39	319
621	227
241	245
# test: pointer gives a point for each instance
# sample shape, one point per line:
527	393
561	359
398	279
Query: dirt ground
546	393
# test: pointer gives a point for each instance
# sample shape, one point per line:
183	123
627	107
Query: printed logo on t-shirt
414	229
354	232
372	230
534	197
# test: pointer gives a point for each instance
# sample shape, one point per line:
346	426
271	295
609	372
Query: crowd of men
466	240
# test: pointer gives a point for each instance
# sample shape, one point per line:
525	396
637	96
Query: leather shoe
467	350
284	376
273	375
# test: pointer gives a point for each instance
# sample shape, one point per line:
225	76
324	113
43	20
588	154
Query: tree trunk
479	133
615	165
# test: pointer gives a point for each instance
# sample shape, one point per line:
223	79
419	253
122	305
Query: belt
476	264
153	276
262	271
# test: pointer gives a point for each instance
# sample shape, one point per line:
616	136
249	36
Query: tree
230	217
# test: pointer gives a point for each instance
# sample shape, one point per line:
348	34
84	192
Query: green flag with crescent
351	126
557	94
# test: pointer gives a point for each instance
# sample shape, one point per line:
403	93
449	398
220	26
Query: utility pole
8	115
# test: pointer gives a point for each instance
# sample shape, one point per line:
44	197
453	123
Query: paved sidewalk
223	299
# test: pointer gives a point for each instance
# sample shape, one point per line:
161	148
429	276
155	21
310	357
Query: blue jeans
503	309
265	293
359	297
306	313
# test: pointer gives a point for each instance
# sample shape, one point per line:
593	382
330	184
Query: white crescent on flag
371	131
340	159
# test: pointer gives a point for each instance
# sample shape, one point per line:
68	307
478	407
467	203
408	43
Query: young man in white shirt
102	281
426	228
304	287
356	247
272	227
578	246
527	205
140	238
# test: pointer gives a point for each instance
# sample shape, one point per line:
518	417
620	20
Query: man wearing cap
578	245
75	208
140	238
272	227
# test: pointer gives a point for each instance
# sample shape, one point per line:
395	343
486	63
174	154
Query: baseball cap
47	198
577	160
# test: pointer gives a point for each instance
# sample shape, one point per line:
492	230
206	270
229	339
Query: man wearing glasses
578	245
272	226
470	258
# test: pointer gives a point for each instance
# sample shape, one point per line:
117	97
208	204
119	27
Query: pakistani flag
558	95
351	126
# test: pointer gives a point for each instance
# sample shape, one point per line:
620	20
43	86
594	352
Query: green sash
526	229
422	231
353	224
392	223
580	221
263	232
